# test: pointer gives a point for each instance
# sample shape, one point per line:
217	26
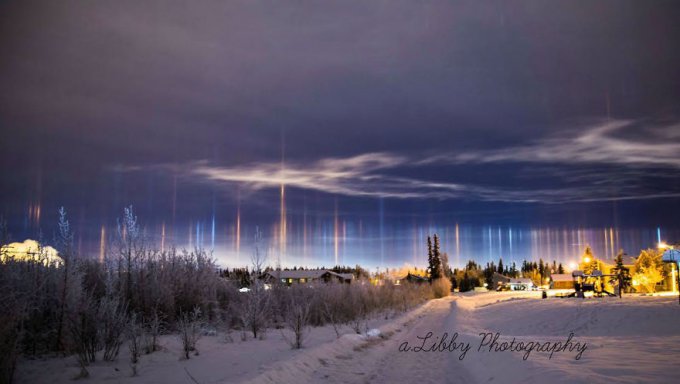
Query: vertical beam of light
617	244
199	240
611	240
382	230
304	231
414	241
344	241
163	237
191	237
500	243
606	244
658	235
238	232
512	258
212	234
102	245
490	239
282	224
457	245
335	232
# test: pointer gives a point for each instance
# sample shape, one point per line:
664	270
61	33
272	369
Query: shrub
441	287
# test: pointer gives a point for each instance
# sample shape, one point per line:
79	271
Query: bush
441	287
189	327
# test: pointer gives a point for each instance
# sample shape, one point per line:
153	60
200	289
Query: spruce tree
435	259
500	266
621	272
430	257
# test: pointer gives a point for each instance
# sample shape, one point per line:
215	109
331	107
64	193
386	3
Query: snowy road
634	340
380	361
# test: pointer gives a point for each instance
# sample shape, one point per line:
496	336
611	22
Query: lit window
303	280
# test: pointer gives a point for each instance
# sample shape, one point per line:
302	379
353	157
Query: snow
630	340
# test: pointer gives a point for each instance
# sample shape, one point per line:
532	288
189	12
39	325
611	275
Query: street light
672	248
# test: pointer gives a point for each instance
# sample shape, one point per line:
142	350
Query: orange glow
102	245
282	224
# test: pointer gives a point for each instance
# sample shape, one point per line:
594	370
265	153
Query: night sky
346	130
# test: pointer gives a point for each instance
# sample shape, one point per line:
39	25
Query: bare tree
64	242
255	307
297	318
112	321
130	247
134	335
189	325
330	306
153	327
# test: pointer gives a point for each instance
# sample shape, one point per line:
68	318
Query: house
410	278
505	283
521	284
301	276
498	280
561	281
607	270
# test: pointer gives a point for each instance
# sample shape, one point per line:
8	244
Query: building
505	283
498	280
302	276
606	269
411	278
561	281
521	284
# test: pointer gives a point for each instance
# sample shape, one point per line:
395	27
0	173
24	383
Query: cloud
603	162
603	143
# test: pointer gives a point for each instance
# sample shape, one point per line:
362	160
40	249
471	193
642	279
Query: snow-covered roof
521	280
346	276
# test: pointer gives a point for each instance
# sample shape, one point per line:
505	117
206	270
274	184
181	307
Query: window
303	280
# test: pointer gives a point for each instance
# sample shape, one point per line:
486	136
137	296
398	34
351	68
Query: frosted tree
649	269
130	247
64	241
590	263
254	309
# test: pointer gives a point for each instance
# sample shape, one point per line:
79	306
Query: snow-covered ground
631	340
